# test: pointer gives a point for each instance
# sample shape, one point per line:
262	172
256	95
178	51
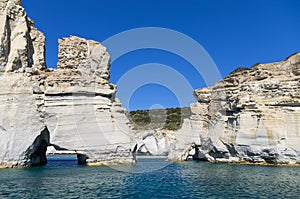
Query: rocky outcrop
82	112
252	115
156	142
70	108
155	130
21	45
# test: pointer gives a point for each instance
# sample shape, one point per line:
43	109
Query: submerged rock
70	108
252	115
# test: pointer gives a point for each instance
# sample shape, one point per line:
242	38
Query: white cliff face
21	45
252	115
14	50
20	122
71	108
24	137
186	137
82	113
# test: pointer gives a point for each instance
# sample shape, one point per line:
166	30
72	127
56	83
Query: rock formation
71	108
82	112
155	130
156	142
252	115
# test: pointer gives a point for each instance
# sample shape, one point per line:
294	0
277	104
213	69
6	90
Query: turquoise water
151	178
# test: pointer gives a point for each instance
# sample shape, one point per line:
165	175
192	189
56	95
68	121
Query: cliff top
23	49
288	68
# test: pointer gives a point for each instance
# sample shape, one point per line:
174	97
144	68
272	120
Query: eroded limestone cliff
71	108
252	115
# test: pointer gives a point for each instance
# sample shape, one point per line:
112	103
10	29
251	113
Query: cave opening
42	153
64	158
38	157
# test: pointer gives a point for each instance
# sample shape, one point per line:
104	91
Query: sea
149	178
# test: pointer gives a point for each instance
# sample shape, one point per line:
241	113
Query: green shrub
169	119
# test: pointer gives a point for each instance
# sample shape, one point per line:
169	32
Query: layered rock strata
252	115
70	108
82	111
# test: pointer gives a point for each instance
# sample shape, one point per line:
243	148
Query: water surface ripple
64	179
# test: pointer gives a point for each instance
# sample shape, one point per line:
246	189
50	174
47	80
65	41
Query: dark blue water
62	178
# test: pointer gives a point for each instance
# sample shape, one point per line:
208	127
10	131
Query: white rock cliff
70	108
251	116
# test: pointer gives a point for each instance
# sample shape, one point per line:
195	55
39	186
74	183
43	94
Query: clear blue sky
234	33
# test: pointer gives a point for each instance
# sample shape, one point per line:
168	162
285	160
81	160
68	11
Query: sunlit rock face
21	121
21	45
82	112
23	135
252	115
71	108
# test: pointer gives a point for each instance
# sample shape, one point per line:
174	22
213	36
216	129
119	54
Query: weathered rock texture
157	142
82	112
252	115
71	108
21	45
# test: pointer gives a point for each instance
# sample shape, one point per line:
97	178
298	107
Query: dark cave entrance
42	153
38	157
